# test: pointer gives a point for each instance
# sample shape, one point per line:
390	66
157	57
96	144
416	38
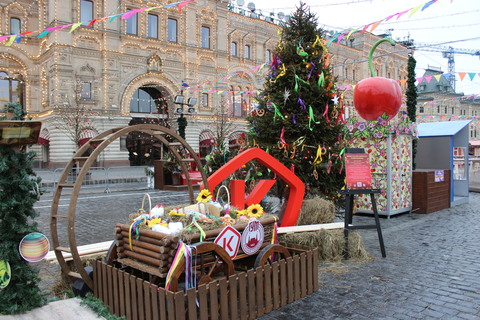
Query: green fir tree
298	119
412	101
17	197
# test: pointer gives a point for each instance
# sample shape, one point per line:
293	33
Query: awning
206	138
237	138
86	135
44	137
475	143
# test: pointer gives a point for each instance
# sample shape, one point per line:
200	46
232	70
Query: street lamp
182	122
180	100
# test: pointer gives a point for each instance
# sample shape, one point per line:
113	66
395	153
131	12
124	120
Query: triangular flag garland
126	15
374	25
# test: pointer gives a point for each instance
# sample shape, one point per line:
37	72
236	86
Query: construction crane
447	52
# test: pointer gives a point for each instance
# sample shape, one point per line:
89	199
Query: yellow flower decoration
241	212
204	196
255	211
155	221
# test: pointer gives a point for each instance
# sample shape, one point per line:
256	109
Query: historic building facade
437	101
128	69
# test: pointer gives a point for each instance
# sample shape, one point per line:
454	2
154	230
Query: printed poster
358	171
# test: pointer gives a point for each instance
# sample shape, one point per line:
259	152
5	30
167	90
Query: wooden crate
427	195
245	295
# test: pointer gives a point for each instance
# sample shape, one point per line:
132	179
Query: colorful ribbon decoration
311	118
276	112
325	114
134	228
175	262
321	80
302	104
126	15
275	233
202	233
318	158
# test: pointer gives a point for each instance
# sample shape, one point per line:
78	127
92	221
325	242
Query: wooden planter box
245	295
427	194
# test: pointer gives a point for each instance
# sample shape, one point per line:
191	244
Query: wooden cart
153	252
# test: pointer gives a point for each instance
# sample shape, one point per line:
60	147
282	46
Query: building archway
148	105
206	141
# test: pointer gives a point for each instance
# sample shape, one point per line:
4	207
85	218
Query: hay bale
330	243
316	210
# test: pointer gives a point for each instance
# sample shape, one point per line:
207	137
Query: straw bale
316	210
330	243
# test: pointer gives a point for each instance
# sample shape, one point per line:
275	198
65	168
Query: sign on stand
229	239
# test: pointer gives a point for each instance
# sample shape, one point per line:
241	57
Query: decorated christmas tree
19	290
299	116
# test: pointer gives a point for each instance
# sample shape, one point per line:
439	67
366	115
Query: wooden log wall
245	295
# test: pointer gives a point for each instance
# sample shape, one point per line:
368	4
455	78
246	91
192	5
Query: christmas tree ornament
34	247
375	96
5	274
286	94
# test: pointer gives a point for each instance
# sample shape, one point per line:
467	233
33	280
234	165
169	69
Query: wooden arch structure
169	139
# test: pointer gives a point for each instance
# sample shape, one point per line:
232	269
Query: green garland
182	124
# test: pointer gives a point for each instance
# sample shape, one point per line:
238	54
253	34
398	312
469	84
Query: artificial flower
255	211
241	213
204	196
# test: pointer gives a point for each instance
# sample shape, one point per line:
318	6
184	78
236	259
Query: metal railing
101	178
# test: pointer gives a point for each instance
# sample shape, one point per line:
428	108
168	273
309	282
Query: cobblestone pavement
431	270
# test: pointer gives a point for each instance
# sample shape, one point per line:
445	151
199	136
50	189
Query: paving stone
430	271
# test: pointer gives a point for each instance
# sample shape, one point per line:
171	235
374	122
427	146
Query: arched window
148	100
268	56
247	52
233	49
15	26
11	88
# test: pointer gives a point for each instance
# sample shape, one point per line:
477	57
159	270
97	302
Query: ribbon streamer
276	112
321	80
311	118
302	104
325	114
175	262
202	233
318	159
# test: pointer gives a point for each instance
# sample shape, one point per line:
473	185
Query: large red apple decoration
376	96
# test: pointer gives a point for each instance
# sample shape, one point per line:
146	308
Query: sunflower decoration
204	196
255	211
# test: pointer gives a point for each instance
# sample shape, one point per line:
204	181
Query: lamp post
182	121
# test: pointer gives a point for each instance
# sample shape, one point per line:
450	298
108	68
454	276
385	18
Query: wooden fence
245	295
